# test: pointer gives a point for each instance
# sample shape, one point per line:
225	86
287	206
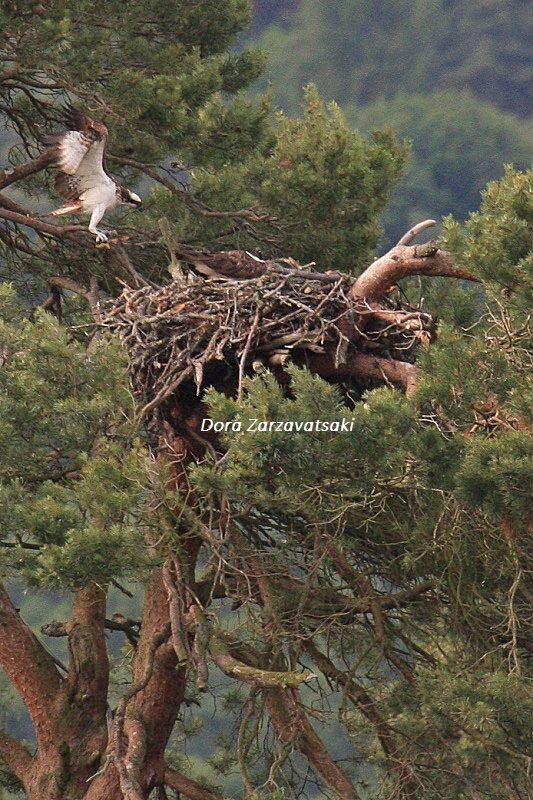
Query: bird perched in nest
229	264
78	154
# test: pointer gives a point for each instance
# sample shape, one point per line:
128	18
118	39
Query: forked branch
403	261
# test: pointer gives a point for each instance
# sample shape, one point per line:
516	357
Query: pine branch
403	261
89	662
31	669
14	174
15	756
57	231
221	655
292	726
364	367
187	787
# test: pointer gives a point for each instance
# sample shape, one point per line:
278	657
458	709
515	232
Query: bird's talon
101	236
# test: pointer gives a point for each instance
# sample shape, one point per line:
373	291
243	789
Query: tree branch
189	788
131	776
408	237
14	755
10	205
402	262
356	692
159	702
14	174
231	666
31	669
91	295
247	214
58	231
89	663
9	73
292	726
363	366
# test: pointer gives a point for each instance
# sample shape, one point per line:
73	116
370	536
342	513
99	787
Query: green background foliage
453	78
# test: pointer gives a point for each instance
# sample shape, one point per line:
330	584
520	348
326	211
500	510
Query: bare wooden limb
9	73
124	727
11	205
189	788
130	769
248	214
220	653
200	647
401	262
176	605
365	367
57	231
292	726
91	294
408	237
14	174
356	692
89	662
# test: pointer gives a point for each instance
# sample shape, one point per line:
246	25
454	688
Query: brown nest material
177	335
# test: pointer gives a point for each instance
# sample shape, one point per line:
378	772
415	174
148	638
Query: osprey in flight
78	154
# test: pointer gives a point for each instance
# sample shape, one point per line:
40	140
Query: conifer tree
353	605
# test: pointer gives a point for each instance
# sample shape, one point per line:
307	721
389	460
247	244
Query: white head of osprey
253	425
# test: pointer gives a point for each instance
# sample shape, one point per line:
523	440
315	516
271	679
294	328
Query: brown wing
75	120
67	186
236	264
232	264
78	154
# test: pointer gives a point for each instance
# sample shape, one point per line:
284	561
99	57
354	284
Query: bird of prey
229	264
82	180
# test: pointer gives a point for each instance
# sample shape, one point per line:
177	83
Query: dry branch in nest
203	333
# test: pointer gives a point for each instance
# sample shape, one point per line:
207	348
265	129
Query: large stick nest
179	334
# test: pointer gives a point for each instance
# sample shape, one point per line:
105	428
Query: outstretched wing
78	154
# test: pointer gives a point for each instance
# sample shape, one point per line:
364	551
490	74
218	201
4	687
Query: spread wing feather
78	154
67	186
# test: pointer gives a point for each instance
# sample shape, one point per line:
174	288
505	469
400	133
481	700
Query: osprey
78	154
228	264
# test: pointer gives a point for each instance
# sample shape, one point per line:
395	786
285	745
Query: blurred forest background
454	78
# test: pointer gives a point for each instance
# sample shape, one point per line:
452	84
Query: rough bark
15	756
31	669
189	788
89	663
14	174
364	366
401	262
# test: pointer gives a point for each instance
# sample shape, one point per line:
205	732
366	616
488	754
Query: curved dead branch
220	653
408	237
402	262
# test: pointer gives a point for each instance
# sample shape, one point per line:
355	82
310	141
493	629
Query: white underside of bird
82	178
